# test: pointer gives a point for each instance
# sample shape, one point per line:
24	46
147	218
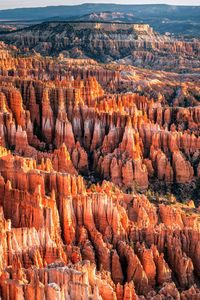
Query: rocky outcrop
78	156
105	42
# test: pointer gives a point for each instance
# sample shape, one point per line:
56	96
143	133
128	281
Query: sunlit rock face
131	44
90	155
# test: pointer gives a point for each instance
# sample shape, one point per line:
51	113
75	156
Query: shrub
93	188
171	198
157	197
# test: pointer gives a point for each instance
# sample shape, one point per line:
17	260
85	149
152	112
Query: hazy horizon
12	4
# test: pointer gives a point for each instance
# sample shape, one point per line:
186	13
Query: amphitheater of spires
124	43
80	148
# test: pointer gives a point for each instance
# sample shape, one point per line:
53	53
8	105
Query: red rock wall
62	237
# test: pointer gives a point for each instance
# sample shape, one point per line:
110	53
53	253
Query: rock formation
87	171
135	44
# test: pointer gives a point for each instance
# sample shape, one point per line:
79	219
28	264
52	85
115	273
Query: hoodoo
99	162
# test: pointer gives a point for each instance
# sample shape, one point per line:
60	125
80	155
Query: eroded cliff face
135	44
90	245
76	145
79	124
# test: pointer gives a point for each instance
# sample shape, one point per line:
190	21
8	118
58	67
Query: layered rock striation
135	44
76	147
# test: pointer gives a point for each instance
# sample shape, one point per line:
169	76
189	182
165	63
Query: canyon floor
99	165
